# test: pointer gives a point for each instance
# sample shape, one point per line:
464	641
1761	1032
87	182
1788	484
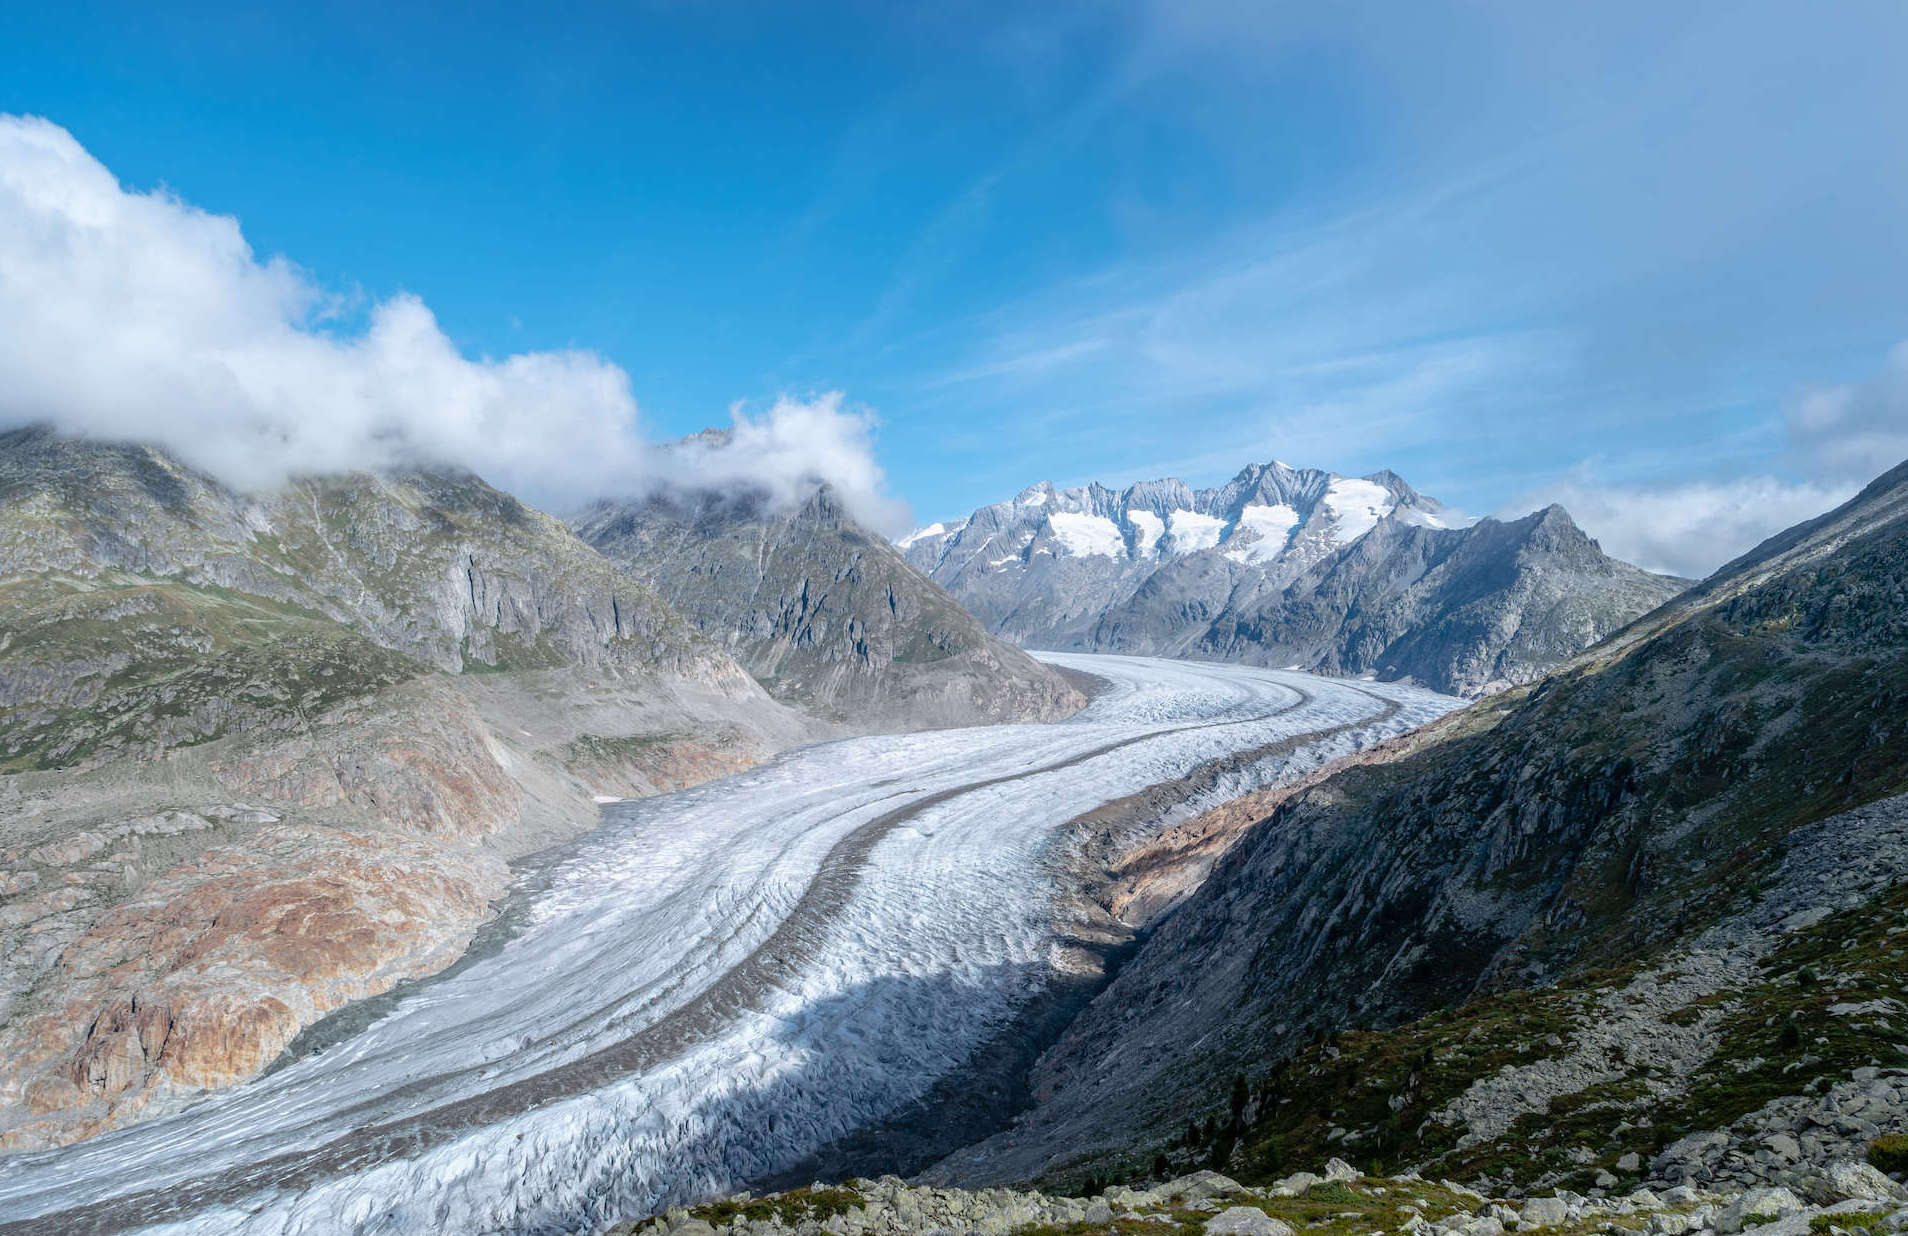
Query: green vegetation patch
791	1207
128	665
1889	1153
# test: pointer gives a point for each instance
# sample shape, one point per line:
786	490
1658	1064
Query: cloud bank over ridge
139	316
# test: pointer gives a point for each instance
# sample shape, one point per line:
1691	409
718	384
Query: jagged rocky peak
1289	566
1265	512
823	612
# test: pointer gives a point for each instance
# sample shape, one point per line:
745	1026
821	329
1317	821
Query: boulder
1199	1186
1757	1206
1845	1180
1246	1221
1544	1212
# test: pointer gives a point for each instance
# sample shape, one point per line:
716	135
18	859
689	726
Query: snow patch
922	534
1356	507
1033	495
1087	535
1192	531
1419	517
1262	533
1149	528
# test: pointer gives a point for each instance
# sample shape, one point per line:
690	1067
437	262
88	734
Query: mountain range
1630	920
1284	566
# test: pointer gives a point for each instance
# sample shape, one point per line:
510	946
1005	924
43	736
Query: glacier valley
709	987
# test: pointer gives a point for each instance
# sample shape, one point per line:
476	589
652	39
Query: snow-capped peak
1269	516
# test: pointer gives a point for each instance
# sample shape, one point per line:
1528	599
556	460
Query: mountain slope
264	755
1289	567
1469	610
826	615
435	565
1649	848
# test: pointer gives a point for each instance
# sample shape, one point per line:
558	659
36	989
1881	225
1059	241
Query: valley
712	985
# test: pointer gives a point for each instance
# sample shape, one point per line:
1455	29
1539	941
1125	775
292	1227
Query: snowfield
708	987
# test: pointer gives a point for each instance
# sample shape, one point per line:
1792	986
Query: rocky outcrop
204	974
434	565
824	614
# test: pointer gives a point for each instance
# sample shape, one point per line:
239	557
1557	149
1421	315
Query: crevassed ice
1192	531
1086	535
1262	533
1356	506
1149	528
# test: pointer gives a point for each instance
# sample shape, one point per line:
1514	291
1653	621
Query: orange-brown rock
204	975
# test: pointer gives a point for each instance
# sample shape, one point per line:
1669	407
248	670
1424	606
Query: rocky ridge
826	615
1291	567
1042	568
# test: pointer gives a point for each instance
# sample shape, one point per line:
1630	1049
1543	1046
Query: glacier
710	986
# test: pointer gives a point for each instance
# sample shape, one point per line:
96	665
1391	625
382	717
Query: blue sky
1650	259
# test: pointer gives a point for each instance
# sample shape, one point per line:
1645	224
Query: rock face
263	755
823	613
436	566
1415	956
1283	566
1469	611
205	974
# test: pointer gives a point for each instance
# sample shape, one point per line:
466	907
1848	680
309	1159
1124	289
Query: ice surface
711	985
1434	519
1262	533
1150	528
1192	531
1357	506
921	534
1085	535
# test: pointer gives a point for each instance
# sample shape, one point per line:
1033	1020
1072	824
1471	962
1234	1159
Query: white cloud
786	450
1838	438
1857	431
139	316
1686	529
